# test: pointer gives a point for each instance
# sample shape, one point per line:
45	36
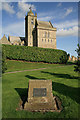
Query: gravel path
26	70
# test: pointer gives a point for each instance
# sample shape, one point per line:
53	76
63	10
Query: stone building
13	40
73	58
4	40
16	40
39	33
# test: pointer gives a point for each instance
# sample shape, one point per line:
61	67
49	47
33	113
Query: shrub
35	54
4	64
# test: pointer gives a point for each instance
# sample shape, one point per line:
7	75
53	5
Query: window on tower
32	21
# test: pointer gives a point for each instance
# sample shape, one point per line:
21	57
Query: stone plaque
39	92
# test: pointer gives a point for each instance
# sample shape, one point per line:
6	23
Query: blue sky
63	16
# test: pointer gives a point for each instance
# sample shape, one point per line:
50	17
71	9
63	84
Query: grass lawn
65	84
13	65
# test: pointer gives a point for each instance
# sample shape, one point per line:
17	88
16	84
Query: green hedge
35	54
4	64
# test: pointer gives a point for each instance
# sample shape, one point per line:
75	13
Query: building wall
35	37
46	38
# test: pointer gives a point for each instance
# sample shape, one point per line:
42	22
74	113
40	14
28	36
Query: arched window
48	40
42	40
45	40
51	40
45	34
48	34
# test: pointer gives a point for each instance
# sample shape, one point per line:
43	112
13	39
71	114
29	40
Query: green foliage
4	64
64	85
35	54
77	67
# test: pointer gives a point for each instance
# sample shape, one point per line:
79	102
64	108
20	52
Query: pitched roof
4	40
13	39
44	24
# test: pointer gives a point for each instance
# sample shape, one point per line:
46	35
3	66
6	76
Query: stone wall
46	38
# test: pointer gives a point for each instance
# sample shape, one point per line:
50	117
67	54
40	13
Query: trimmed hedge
35	54
4	64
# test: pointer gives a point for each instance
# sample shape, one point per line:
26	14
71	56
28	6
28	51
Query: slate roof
13	39
44	24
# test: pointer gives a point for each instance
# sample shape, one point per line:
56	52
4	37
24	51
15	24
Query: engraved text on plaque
39	92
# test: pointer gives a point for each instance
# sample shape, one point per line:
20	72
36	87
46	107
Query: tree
77	67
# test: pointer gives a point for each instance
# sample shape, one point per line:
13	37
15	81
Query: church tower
30	22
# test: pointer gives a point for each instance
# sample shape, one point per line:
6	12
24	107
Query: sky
63	16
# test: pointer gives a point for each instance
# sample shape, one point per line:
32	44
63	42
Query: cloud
66	24
68	11
44	14
15	29
47	18
68	32
23	8
59	4
57	14
67	28
8	8
18	29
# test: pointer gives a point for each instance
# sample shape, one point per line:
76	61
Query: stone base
55	106
40	97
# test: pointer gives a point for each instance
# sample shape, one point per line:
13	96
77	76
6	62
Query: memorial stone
40	96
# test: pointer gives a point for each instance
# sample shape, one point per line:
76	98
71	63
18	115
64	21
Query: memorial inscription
39	92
